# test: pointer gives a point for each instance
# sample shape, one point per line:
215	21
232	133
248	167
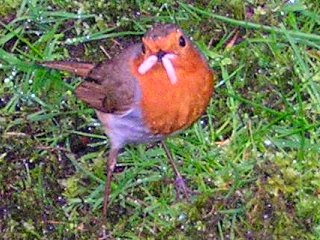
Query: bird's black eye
182	41
143	49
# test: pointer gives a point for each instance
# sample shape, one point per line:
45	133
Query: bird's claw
104	235
182	188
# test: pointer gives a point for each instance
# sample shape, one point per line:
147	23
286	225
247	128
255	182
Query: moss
8	8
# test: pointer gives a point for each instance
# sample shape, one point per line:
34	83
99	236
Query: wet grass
253	159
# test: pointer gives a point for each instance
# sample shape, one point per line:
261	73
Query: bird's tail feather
81	69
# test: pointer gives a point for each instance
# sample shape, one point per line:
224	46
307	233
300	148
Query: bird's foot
182	188
104	234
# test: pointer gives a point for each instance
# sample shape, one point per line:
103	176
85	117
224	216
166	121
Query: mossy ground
253	159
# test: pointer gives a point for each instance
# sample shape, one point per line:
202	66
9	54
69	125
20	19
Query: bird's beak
160	55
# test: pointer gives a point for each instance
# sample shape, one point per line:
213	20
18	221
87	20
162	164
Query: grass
253	158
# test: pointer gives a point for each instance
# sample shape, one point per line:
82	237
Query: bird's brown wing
96	96
109	86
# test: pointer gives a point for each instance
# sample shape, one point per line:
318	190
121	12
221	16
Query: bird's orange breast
167	107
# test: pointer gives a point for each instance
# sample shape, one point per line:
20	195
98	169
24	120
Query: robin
148	92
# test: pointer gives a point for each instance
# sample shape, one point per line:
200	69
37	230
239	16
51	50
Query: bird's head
164	44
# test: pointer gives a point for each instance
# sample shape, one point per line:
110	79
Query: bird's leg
112	160
180	184
111	163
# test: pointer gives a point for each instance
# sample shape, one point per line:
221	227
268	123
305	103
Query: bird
151	90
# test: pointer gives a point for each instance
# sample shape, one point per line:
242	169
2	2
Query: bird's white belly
127	128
